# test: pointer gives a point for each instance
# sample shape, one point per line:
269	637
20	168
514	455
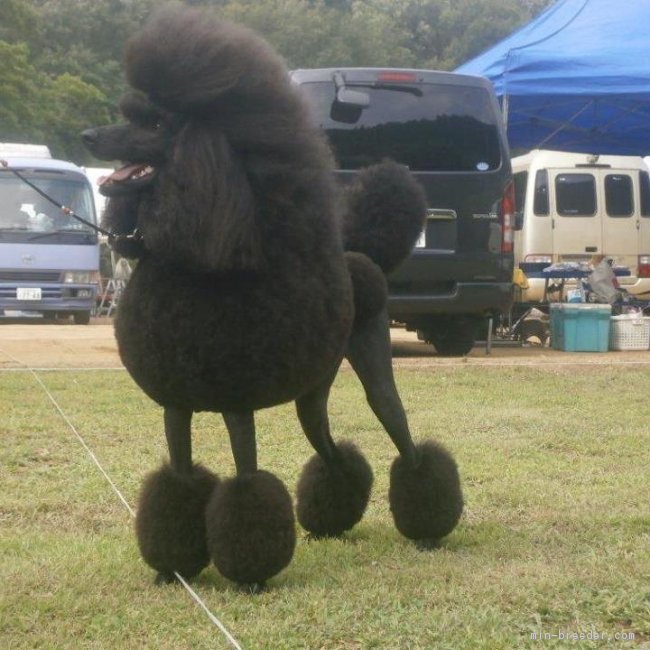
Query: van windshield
26	216
428	127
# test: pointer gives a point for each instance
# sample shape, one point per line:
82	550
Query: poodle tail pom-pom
426	500
386	209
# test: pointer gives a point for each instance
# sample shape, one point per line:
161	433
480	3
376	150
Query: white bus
49	261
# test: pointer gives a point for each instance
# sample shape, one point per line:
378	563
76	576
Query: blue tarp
577	78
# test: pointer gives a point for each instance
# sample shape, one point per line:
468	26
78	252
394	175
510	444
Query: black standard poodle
256	277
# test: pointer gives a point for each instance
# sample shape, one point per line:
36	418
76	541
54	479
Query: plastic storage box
580	327
629	333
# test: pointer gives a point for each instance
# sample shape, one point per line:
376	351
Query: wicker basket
629	333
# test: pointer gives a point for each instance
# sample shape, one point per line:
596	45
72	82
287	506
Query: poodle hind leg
425	494
170	519
334	487
250	523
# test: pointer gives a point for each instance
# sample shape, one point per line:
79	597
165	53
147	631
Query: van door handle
591	249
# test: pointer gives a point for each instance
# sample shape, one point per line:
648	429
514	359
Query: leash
197	599
136	235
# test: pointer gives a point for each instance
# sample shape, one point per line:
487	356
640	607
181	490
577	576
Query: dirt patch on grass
65	345
58	345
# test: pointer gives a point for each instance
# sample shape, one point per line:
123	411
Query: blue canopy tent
577	78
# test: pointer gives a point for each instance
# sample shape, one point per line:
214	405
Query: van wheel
454	336
81	317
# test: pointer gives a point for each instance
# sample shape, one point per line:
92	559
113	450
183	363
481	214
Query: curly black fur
250	527
427	501
386	210
170	520
241	231
333	498
242	298
369	284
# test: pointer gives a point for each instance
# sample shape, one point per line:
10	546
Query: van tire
81	317
453	336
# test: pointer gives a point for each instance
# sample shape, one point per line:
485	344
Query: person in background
602	280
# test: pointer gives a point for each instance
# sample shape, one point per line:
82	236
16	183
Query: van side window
644	184
540	203
521	181
618	195
575	195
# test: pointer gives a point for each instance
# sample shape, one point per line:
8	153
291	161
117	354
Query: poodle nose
89	137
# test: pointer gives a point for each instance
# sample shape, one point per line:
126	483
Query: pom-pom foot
251	528
333	498
426	499
170	521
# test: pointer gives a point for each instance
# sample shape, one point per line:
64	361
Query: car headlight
80	277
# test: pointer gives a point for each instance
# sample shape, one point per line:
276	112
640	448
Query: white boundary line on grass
72	369
117	491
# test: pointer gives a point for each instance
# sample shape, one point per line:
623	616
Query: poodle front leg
334	487
178	431
170	519
251	528
425	494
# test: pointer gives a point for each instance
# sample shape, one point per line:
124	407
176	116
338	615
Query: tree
19	94
72	106
312	34
36	108
17	18
62	59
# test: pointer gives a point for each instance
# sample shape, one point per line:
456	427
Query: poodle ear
207	204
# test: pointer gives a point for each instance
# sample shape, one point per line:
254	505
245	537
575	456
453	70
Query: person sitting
603	286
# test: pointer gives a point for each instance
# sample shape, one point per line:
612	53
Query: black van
447	129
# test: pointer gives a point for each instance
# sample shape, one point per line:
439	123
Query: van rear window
540	202
428	127
575	195
644	181
618	195
521	181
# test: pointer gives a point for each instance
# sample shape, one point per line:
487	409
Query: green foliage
37	108
61	67
312	34
19	93
17	18
72	104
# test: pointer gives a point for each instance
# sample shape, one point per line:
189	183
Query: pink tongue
121	174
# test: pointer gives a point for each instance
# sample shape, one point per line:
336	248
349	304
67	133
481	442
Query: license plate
28	293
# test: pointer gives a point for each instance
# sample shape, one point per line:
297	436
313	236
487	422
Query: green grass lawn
555	537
